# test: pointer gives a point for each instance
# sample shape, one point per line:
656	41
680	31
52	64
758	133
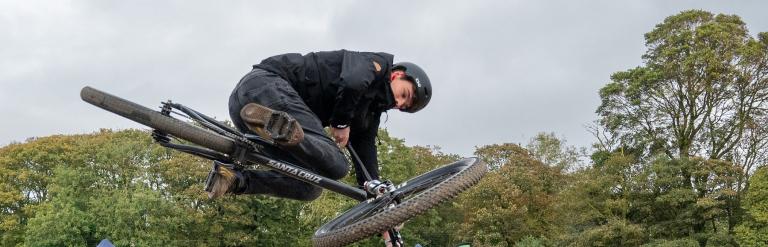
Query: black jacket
343	88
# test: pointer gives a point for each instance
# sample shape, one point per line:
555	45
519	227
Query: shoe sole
278	126
218	182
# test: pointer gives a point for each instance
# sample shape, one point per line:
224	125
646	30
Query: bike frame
309	177
248	151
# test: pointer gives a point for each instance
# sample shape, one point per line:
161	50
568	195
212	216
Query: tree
704	82
25	173
76	190
513	201
702	92
754	230
64	220
552	151
600	203
622	200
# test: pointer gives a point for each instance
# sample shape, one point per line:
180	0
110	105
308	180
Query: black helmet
416	75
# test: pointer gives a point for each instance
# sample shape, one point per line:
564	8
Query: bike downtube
309	177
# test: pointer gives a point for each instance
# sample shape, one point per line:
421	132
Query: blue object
105	243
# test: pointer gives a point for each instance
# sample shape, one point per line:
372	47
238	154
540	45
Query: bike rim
407	190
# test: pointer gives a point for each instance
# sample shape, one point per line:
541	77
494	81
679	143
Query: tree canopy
695	113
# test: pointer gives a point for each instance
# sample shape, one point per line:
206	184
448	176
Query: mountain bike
382	205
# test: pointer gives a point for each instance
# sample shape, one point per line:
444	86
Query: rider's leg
276	184
315	152
227	179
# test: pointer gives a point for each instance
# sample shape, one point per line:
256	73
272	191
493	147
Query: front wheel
411	198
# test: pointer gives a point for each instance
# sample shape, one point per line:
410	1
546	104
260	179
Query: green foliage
615	232
64	219
25	172
683	242
514	201
622	200
531	241
692	118
120	186
552	151
754	230
599	201
697	92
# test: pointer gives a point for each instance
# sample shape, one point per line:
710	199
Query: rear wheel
415	196
158	121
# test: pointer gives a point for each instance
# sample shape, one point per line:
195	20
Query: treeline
681	146
76	190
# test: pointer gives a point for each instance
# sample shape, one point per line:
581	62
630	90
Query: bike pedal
280	125
214	170
209	180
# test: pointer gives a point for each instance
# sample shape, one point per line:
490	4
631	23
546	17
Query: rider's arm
357	73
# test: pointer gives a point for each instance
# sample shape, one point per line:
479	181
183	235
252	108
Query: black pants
317	152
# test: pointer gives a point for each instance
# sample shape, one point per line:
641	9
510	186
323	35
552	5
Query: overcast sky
502	70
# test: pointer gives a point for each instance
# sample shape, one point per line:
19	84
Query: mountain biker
289	98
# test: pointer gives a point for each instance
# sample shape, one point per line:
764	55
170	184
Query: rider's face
404	93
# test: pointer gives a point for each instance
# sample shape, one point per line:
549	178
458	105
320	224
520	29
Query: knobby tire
158	121
421	193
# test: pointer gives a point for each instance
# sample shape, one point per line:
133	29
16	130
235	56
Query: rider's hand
387	239
341	136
